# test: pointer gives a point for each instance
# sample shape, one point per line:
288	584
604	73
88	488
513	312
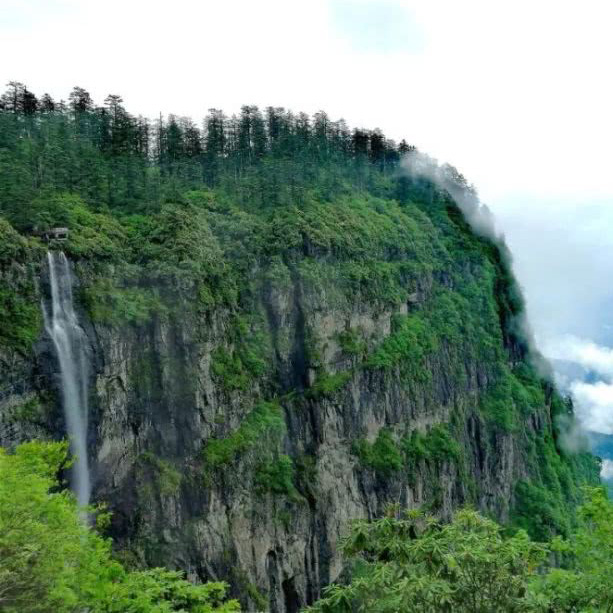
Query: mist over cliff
563	254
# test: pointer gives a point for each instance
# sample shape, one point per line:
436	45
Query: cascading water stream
70	344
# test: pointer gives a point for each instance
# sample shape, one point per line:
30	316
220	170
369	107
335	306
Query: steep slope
265	375
290	325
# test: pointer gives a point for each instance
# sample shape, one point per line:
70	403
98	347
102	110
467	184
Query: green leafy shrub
260	434
13	246
379	282
512	397
247	360
416	563
22	319
228	369
263	426
31	410
351	342
408	345
326	385
437	445
383	456
50	560
109	304
584	579
498	404
539	511
415	448
19	304
276	476
167	478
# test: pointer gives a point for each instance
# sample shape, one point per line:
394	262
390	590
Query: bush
21	317
416	563
13	247
264	426
247	360
327	385
167	478
539	512
351	342
436	445
408	345
50	560
382	456
276	476
109	304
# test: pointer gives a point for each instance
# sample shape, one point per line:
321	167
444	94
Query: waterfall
70	343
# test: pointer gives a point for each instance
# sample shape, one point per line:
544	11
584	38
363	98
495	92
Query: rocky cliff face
361	356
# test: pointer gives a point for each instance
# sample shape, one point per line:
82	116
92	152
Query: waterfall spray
70	344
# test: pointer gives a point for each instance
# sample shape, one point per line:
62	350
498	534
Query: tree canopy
51	560
115	160
408	561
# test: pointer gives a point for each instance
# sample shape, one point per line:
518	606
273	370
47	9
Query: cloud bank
563	258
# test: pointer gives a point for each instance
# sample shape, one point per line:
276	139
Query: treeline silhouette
129	163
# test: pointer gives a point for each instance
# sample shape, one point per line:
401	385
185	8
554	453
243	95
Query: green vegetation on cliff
263	202
262	428
278	256
50	560
19	312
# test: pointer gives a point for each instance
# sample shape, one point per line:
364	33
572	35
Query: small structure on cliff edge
49	234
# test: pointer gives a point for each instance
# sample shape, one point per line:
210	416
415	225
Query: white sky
518	95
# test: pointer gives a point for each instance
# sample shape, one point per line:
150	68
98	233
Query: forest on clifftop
222	226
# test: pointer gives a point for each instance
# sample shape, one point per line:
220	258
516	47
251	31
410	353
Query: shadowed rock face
238	441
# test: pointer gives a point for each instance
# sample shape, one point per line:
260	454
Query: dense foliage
412	562
171	221
255	203
50	560
116	161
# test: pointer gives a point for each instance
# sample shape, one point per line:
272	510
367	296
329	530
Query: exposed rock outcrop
393	377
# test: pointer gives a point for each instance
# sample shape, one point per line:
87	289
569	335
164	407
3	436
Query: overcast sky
517	95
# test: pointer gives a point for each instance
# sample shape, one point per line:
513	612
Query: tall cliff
263	375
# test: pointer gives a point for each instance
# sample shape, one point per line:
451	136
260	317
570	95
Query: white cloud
594	404
593	398
563	256
585	352
606	472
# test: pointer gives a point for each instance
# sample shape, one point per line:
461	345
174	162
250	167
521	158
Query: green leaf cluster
108	303
277	476
416	563
382	456
412	562
166	477
51	560
327	384
387	456
237	367
259	435
437	445
263	427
